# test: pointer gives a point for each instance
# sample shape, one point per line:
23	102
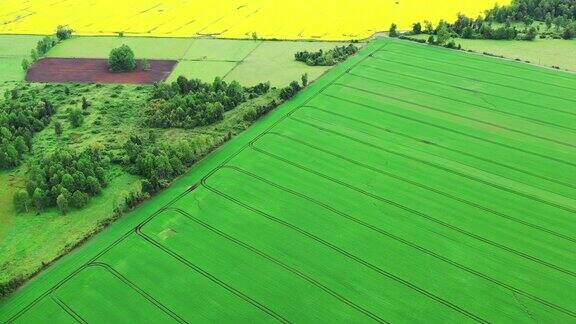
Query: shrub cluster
160	163
63	179
121	59
290	91
326	58
191	103
20	117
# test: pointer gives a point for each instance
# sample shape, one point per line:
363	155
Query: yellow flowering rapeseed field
295	19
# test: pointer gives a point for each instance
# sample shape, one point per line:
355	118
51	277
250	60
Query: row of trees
63	179
45	44
191	103
160	163
21	115
326	58
515	21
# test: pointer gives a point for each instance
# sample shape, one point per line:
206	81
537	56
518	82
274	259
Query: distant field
323	20
545	52
274	61
247	61
410	184
203	70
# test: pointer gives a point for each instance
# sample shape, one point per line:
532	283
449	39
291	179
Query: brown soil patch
95	71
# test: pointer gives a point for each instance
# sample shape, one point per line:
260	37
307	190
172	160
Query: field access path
409	184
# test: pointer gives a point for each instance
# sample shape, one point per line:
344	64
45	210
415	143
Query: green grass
409	184
203	70
11	68
274	61
143	47
17	45
13	49
220	50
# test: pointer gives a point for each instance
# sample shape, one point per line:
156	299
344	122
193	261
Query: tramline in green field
410	183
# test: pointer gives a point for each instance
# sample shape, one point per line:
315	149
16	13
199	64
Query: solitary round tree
121	59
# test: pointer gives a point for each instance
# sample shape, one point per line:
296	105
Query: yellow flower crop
296	19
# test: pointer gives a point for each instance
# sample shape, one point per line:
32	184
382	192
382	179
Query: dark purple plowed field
95	70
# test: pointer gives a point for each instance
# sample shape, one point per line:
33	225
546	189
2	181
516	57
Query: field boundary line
478	69
210	276
425	187
472	79
404	241
348	255
286	267
238	63
493	142
65	307
420	140
137	289
446	169
420	214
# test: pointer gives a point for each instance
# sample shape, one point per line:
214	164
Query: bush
63	33
326	58
121	59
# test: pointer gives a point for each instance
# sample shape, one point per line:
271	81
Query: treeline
191	103
45	44
160	163
21	115
326	58
513	22
64	179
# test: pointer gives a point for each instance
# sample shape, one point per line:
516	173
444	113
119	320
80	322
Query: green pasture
409	184
203	70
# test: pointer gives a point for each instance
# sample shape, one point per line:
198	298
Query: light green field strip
17	45
274	61
220	49
143	47
203	70
11	68
369	197
546	75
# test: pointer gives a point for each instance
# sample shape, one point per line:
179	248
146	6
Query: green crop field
12	50
409	184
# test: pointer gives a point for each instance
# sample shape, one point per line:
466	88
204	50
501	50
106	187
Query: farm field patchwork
409	184
247	61
339	20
